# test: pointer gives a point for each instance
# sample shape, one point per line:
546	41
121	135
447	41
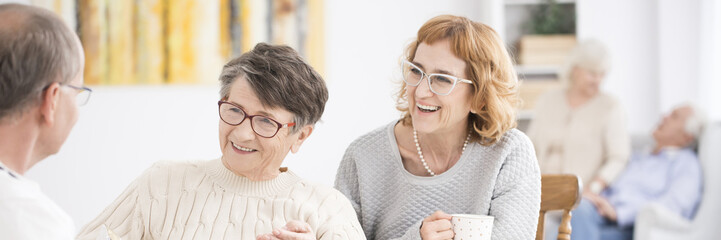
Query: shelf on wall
524	114
533	86
527	2
537	72
537	69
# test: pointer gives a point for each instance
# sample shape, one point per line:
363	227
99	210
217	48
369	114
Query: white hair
695	122
591	55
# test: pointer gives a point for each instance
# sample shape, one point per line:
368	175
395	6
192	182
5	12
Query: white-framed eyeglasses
441	84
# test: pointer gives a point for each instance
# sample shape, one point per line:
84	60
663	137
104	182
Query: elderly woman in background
580	129
270	101
455	150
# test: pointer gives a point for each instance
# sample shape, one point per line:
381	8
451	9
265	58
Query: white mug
472	227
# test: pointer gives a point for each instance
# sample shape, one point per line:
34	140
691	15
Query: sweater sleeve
538	125
617	145
122	217
538	111
342	222
516	200
346	181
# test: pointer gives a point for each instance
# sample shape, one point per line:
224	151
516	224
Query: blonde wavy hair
489	66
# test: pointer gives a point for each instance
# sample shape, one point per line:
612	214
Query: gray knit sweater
502	180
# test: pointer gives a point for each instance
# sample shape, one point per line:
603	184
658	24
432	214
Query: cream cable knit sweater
204	200
590	141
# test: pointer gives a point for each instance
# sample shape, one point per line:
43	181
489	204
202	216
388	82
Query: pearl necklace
420	153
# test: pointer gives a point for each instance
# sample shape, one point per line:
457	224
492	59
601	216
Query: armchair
657	223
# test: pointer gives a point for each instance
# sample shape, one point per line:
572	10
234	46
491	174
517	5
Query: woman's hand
596	186
293	230
603	206
606	210
437	226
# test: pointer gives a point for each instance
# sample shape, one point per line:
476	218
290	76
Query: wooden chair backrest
559	192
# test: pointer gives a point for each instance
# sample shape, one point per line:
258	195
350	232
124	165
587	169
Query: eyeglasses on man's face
234	115
83	93
441	84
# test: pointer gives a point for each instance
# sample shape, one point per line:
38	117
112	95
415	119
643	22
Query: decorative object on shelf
545	50
553	26
549	37
553	18
532	90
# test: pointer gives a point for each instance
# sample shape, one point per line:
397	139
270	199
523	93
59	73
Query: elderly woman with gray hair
580	129
270	101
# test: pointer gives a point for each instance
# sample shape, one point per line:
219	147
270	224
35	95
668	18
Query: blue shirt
671	178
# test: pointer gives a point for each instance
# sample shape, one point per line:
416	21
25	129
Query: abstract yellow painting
185	41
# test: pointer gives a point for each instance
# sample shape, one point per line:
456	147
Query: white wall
121	132
710	58
665	53
629	29
679	49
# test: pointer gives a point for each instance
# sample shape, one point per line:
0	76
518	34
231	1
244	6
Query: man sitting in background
670	176
41	78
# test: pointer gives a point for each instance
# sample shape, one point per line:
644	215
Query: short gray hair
591	55
695	122
36	49
280	78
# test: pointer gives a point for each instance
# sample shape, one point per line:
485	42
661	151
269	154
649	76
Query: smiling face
247	154
431	112
586	82
671	131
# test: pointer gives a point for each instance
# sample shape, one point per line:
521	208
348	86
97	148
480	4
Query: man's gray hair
280	78
36	49
695	122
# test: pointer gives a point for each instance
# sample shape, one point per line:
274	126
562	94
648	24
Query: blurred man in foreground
41	84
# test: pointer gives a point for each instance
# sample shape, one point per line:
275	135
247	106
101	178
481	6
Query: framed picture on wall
185	41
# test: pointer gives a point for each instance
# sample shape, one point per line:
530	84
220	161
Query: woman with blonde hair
579	129
455	150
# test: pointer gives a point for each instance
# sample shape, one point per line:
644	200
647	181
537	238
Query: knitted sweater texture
204	200
501	180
